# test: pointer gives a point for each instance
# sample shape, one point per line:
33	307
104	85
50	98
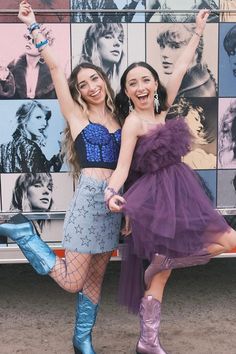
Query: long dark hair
122	101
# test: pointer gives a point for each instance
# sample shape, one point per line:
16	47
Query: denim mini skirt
89	227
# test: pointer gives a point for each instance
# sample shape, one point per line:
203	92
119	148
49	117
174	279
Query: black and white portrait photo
23	72
36	192
87	16
201	116
227	133
31	136
226	188
103	44
227	60
165	43
179	6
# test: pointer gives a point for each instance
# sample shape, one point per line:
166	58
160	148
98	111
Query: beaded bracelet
33	26
42	43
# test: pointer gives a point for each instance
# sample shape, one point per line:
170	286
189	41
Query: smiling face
37	122
141	87
40	195
91	86
110	47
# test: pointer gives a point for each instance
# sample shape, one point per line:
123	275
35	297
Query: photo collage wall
33	174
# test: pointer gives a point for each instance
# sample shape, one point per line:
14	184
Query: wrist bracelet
197	34
33	26
40	44
112	193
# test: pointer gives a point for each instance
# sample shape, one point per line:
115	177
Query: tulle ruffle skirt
170	214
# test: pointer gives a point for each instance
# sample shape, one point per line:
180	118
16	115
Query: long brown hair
68	149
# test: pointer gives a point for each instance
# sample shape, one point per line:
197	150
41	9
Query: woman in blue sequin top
91	145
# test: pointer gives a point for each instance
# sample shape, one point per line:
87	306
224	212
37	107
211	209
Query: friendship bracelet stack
40	45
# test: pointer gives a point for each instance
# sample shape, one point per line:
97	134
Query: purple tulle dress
169	210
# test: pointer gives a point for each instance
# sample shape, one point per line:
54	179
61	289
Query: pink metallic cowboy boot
150	313
160	263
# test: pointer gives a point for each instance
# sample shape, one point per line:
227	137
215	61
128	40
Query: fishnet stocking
71	273
95	275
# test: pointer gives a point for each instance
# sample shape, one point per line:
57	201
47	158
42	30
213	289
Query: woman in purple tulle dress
172	220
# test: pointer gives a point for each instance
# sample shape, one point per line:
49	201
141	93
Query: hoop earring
156	101
131	108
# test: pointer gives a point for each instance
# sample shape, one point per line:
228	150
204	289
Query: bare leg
225	243
158	284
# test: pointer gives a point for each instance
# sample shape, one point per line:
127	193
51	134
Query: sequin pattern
101	145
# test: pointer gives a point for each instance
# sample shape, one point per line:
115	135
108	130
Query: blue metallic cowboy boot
20	230
86	314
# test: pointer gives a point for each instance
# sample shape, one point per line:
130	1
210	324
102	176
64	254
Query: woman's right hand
26	14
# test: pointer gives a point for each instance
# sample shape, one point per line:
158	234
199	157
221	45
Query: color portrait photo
23	73
201	116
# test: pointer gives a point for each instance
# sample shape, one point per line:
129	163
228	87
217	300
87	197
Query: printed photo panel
36	192
30	139
227	60
201	116
136	43
37	5
179	6
166	42
226	187
87	16
18	54
51	230
208	181
227	133
103	44
229	5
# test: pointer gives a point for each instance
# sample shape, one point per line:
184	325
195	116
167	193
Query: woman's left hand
201	20
116	203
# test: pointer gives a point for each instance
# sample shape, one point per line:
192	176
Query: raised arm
67	105
185	59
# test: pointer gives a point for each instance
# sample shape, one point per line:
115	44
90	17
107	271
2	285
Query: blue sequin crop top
97	147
